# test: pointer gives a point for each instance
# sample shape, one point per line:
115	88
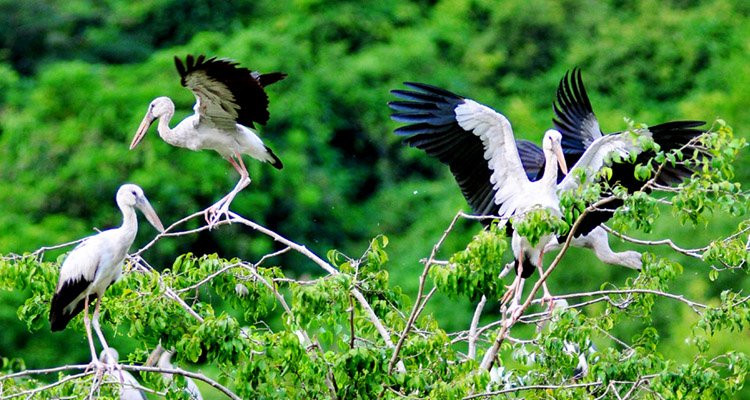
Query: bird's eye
134	193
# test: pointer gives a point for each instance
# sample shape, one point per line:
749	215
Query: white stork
230	100
128	384
163	359
478	145
96	263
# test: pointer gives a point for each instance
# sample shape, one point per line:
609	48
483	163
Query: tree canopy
317	288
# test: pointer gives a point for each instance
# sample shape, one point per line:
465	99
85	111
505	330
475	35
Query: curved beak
560	157
145	207
142	129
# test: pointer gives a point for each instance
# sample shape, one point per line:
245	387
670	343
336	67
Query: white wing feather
508	176
81	262
599	154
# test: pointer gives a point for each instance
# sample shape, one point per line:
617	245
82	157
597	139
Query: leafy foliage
75	79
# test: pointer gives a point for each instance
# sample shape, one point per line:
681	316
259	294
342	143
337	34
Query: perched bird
129	385
163	359
96	263
230	100
478	145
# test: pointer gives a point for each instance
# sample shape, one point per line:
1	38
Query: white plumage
96	263
501	176
229	101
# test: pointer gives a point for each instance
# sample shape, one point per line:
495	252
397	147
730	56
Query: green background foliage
76	78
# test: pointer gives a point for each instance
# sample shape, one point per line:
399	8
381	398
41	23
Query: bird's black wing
532	158
576	121
432	127
430	114
69	290
225	91
574	116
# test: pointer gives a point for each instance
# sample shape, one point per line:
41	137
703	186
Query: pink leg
547	297
221	208
87	325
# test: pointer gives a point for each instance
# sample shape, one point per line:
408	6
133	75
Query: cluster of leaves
473	271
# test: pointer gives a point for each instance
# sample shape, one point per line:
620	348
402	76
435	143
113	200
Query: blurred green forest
77	76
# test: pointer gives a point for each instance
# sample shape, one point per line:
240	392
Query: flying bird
96	263
230	100
478	145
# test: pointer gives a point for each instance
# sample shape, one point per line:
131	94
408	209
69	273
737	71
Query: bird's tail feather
273	159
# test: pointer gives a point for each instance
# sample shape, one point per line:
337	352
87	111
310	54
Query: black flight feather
69	290
246	86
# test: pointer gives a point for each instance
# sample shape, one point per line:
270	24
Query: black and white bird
576	121
96	263
478	145
230	100
127	382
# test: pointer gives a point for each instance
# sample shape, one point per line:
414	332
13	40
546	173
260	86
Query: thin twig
489	356
419	303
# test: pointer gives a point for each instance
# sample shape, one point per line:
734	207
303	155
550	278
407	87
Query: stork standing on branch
478	145
95	264
230	100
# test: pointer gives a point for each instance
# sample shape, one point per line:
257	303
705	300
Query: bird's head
159	107
130	195
109	356
552	143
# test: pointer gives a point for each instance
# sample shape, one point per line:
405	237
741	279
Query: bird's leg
547	297
103	341
221	208
514	309
95	363
514	292
87	325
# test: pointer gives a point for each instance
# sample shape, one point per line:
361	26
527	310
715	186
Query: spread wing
574	117
475	142
582	137
226	93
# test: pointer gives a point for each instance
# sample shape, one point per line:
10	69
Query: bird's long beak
145	207
142	129
560	157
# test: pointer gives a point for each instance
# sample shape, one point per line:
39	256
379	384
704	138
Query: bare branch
473	328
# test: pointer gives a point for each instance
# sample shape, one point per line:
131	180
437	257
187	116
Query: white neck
129	225
167	133
550	169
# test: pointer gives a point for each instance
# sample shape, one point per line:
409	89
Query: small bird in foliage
230	100
96	263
